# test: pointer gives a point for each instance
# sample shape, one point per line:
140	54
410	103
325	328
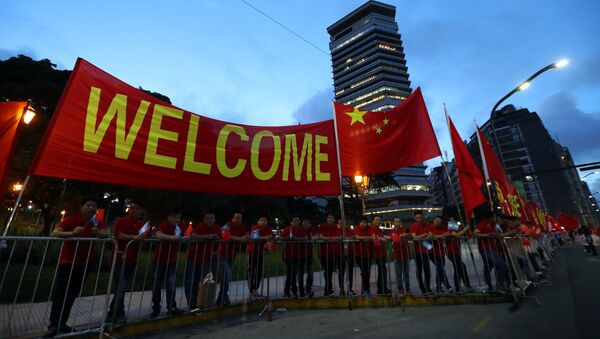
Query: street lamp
29	115
591	195
587	175
362	183
17	187
524	85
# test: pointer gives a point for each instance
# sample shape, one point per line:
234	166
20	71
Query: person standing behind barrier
226	253
305	261
380	256
165	263
439	231
589	246
291	235
348	260
490	247
203	242
420	231
401	257
453	249
259	235
73	261
363	251
330	256
126	230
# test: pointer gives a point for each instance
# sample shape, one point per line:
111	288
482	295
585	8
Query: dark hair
363	218
488	214
295	216
174	211
438	216
417	213
207	213
137	202
88	198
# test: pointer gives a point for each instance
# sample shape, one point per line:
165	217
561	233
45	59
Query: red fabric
399	247
166	251
231	248
405	137
379	252
363	248
568	221
127	226
419	230
438	245
494	166
137	140
10	127
329	248
292	247
200	251
68	251
488	243
470	178
258	246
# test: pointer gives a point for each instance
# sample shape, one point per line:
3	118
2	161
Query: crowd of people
212	248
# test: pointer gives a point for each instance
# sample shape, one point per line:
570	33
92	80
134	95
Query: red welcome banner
105	130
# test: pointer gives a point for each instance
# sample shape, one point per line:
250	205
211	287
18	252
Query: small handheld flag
427	245
177	230
453	226
144	229
395	237
189	231
255	234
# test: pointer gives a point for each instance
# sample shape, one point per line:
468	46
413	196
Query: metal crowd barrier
195	276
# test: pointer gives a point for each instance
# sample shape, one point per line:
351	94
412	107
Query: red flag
469	175
568	221
10	126
493	165
377	142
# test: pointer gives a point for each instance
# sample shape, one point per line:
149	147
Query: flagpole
341	195
448	174
16	206
484	165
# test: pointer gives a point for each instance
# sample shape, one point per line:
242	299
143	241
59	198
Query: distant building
445	191
370	73
533	161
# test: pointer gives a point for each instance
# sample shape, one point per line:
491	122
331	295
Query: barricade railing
153	278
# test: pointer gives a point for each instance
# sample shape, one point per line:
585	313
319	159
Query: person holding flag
305	262
233	231
165	262
200	255
330	254
128	230
490	247
363	251
259	235
453	249
291	234
74	258
420	232
399	235
380	256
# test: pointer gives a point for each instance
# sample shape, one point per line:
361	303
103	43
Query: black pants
440	271
330	264
122	277
291	276
365	272
255	271
305	265
382	286
66	289
422	262
350	264
460	271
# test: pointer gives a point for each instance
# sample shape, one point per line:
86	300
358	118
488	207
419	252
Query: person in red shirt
487	233
259	235
200	255
380	256
401	258
330	254
420	232
74	258
126	231
165	262
291	235
439	230
348	260
454	254
227	251
363	251
305	261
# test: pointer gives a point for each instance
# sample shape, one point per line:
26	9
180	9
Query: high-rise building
370	73
534	161
445	186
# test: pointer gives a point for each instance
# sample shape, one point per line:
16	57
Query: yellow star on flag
385	121
378	130
356	115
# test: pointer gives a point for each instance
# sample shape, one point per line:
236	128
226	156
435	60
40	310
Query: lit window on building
388	47
363	81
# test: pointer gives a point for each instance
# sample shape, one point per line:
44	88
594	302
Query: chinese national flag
378	142
568	221
469	175
494	166
10	126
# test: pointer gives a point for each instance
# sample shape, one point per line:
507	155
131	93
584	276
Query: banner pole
485	169
341	196
16	206
448	174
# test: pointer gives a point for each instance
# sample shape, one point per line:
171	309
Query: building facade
370	73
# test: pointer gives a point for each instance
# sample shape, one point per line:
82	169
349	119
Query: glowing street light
591	195
29	115
17	187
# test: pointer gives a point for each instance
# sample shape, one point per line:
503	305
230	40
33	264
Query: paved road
569	309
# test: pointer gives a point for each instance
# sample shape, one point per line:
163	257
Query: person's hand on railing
77	231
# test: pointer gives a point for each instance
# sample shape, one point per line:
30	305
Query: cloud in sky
315	108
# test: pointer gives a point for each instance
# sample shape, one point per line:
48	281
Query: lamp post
591	195
587	175
362	184
524	85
